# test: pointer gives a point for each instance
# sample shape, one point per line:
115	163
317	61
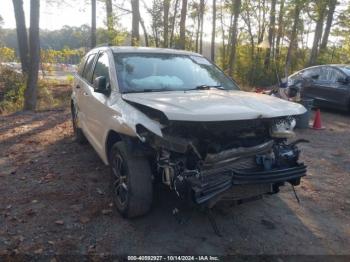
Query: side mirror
100	85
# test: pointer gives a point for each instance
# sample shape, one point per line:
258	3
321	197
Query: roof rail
104	44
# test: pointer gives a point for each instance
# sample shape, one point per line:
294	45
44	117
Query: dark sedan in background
328	85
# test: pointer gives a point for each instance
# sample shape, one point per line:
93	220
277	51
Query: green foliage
7	54
12	86
70	79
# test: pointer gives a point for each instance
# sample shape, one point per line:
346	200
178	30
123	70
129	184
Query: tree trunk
135	34
166	4
93	23
22	37
145	34
173	23
212	53
110	21
293	37
223	48
201	12
331	9
182	40
30	94
198	29
237	9
280	28
271	35
318	34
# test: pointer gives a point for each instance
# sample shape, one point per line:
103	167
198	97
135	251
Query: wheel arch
111	138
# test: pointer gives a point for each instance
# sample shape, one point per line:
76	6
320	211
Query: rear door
82	93
311	82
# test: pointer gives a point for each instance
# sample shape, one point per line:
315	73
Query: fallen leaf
99	191
30	212
51	242
91	248
38	251
59	222
106	211
84	220
21	238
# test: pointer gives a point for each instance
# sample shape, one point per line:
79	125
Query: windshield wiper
150	90
207	87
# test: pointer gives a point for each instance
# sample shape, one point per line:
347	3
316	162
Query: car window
140	72
88	68
309	73
345	69
325	74
102	67
334	75
294	78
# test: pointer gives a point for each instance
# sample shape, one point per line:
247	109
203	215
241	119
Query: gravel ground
55	199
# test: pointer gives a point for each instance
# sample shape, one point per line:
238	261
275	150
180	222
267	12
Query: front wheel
132	185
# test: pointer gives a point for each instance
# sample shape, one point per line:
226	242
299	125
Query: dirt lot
55	200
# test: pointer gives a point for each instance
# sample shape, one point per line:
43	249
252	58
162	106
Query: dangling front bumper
212	184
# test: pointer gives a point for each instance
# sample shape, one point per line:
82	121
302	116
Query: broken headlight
283	128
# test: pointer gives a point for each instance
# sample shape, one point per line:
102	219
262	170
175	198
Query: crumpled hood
215	105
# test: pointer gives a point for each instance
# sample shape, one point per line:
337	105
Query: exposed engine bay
210	161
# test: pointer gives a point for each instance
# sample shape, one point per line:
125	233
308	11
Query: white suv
173	117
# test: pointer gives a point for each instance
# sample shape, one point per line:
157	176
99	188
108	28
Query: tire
78	133
132	185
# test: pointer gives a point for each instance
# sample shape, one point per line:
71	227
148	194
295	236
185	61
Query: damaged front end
236	160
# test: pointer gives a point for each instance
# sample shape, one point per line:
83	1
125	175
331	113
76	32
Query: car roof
317	66
149	50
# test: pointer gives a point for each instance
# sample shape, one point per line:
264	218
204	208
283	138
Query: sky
55	16
52	16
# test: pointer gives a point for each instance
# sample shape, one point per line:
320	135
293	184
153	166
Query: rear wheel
132	185
78	133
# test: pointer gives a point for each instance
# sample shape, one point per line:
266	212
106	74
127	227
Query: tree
280	28
182	40
234	30
110	20
93	23
271	34
22	37
173	23
293	37
30	94
201	15
320	16
135	34
331	9
213	33
166	4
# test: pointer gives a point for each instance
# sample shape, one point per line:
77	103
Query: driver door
98	103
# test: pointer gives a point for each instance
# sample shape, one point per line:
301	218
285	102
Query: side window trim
82	66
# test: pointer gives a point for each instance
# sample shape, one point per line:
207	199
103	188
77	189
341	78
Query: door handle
77	87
